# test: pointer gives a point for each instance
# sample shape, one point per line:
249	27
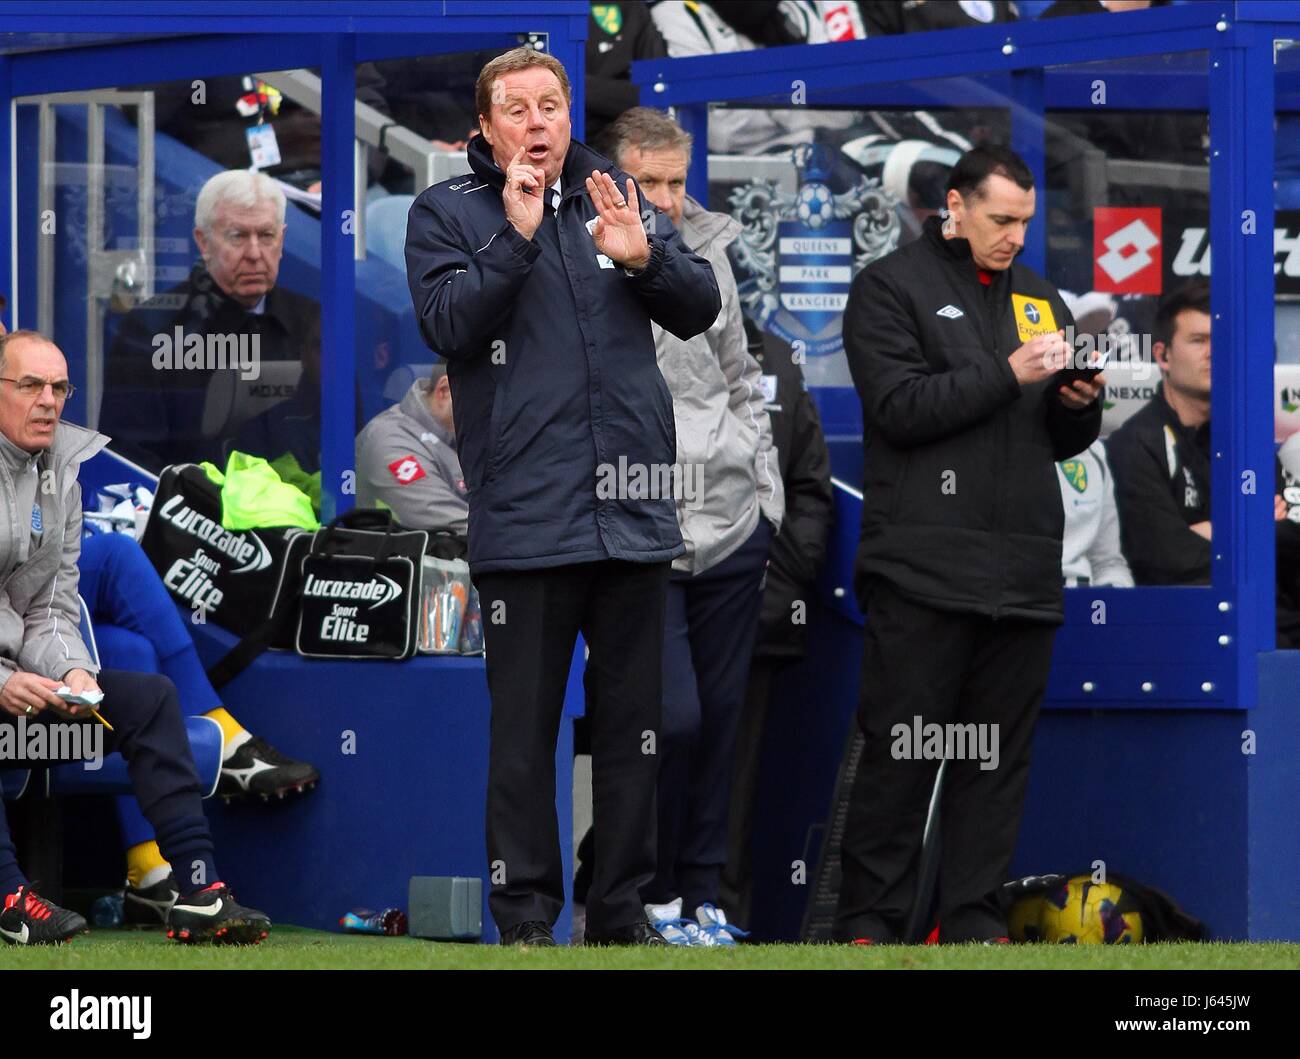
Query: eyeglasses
31	386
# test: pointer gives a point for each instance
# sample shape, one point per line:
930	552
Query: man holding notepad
42	655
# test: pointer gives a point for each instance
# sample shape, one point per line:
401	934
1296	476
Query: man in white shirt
1090	553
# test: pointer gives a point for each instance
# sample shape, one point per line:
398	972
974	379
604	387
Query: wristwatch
656	247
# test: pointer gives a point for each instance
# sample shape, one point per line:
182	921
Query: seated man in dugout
407	460
1161	460
41	651
165	398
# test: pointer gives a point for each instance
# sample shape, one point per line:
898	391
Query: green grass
291	948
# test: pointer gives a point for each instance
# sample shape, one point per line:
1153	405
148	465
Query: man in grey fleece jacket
407	460
730	508
41	650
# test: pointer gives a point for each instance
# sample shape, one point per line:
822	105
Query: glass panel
1286	373
1127	211
200	330
1121	218
820	193
430	98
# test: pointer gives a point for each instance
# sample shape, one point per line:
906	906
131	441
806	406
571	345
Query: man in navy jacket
537	276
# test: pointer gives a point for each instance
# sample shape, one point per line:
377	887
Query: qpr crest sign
797	254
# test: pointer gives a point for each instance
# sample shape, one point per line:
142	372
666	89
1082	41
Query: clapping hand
618	233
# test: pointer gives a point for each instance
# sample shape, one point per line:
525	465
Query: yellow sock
229	726
143	860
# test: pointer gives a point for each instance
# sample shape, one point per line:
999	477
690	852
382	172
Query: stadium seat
386	228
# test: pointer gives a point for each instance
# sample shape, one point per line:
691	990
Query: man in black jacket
616	35
164	401
797	555
535	277
954	349
1161	460
1161	455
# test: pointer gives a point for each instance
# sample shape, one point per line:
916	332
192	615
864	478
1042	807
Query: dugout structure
1169	746
97	211
1154	782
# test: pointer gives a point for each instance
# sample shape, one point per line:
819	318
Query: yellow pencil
101	718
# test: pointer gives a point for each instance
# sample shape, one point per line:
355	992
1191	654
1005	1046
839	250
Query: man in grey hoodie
729	509
407	460
41	653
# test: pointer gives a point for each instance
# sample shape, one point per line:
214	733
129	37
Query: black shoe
534	932
867	930
257	768
213	915
150	906
641	933
31	920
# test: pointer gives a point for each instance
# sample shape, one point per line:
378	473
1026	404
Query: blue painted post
1027	141
338	276
571	51
6	167
694	118
1241	241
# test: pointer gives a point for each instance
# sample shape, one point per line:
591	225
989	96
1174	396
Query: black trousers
619	608
149	730
944	668
711	622
737	887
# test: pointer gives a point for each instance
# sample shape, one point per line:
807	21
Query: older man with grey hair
728	521
174	372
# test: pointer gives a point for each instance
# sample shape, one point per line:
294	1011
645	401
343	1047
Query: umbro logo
950	312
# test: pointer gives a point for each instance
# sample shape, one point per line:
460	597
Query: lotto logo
839	22
406	470
1126	249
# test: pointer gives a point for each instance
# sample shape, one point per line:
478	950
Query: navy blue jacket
552	365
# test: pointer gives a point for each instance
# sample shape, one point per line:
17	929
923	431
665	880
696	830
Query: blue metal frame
1156	783
766	75
8	260
292	33
338	282
1209	637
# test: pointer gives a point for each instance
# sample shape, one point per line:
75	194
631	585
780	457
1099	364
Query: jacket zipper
994	315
